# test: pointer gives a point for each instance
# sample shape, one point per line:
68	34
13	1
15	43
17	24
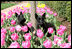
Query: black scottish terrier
21	21
45	25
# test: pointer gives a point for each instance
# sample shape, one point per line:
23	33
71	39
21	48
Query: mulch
65	23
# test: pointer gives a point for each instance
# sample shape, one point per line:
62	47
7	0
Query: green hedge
62	7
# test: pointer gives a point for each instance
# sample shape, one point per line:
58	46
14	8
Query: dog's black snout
39	18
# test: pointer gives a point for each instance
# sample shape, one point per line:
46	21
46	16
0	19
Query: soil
65	23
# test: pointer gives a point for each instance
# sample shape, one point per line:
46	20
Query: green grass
6	5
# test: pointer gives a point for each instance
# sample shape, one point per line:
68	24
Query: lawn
6	5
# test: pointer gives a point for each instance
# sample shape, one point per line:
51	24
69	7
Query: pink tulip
10	12
40	33
18	12
57	40
24	28
17	7
29	24
2	42
42	10
51	12
9	16
55	14
65	45
14	45
69	38
47	16
27	36
13	22
2	17
3	31
14	36
37	8
63	27
48	10
25	8
2	21
50	30
38	11
47	44
3	14
12	29
13	11
60	32
45	8
26	44
3	36
26	11
2	39
18	28
30	11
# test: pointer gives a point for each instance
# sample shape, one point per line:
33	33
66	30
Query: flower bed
16	37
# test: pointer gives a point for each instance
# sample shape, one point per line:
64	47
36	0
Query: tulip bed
14	38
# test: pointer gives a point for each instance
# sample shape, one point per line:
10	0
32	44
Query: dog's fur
21	21
45	25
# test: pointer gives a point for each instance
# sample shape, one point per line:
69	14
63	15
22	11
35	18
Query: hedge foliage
63	8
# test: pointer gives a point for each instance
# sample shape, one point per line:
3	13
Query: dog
21	21
45	25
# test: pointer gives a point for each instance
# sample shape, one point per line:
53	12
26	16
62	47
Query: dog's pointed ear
20	13
16	14
44	15
36	15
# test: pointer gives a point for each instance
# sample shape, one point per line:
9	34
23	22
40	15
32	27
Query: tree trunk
33	10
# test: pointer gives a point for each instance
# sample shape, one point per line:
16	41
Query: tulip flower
27	36
18	28
26	44
14	45
29	24
40	33
47	44
14	36
50	30
12	29
24	28
13	22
